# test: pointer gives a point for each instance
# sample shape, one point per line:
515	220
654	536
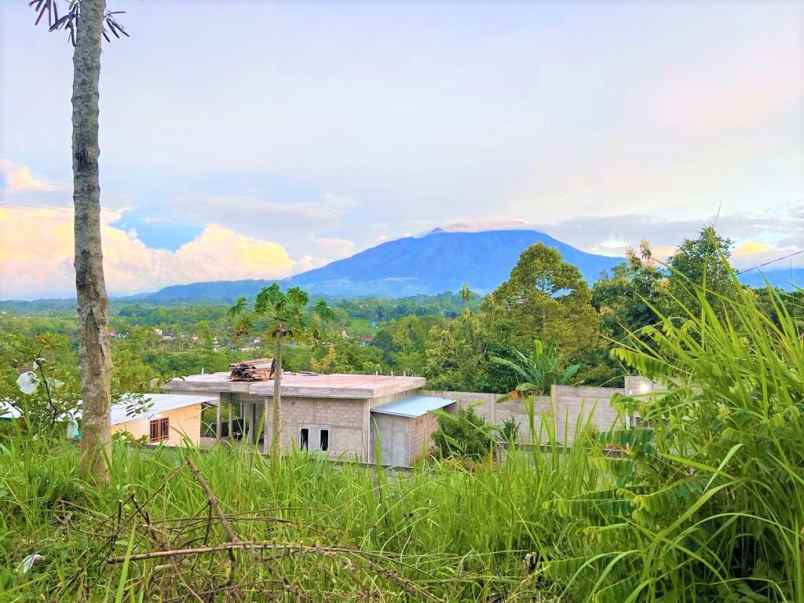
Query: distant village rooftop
301	385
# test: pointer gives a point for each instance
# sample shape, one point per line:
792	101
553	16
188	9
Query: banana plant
537	371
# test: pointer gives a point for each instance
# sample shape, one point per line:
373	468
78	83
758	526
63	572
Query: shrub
509	431
709	502
463	434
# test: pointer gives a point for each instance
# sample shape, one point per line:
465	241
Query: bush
509	431
708	504
463	434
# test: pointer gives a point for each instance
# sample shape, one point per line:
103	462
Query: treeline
547	301
455	340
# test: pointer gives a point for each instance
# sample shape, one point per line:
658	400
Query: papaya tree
288	318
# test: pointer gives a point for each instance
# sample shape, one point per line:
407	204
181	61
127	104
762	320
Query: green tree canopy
456	355
630	297
544	298
701	267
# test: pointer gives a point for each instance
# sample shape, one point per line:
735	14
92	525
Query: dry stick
156	536
164	485
408	585
215	505
213	502
110	544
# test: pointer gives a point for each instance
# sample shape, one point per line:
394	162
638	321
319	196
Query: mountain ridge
431	263
437	261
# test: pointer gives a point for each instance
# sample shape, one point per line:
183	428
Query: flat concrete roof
412	407
301	385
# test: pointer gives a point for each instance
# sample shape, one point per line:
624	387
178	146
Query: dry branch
214	503
408	585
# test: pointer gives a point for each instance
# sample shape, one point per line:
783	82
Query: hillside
436	262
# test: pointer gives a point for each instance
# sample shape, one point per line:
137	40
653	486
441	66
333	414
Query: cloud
19	179
750	248
326	250
36	256
754	82
757	237
491	224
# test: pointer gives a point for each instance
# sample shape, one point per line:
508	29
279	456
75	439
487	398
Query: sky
249	139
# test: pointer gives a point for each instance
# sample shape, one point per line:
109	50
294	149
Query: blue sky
249	139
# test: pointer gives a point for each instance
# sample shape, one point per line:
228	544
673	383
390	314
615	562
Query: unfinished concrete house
344	416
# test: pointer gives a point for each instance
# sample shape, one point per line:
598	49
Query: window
314	437
159	429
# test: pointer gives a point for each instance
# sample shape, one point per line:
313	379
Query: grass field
705	504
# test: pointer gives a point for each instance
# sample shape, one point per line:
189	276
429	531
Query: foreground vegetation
704	502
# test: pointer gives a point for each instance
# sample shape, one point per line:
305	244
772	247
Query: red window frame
159	429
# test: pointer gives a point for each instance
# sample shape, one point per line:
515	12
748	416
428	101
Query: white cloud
258	216
326	250
491	224
334	248
36	256
19	179
757	237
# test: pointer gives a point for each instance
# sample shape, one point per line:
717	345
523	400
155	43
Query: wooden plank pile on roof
260	369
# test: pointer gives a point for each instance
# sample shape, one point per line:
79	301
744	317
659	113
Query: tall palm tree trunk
95	356
276	422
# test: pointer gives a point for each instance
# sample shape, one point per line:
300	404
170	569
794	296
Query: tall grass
457	534
710	503
706	503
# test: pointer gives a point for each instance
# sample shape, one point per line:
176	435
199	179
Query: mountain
784	278
436	262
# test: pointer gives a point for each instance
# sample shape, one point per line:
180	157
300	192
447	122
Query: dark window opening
305	438
324	439
159	429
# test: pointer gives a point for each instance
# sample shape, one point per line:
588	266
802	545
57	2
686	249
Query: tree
287	316
345	355
131	371
466	294
95	358
701	267
456	355
539	370
404	342
544	298
630	298
628	301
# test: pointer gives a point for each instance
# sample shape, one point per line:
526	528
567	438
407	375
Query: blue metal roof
413	407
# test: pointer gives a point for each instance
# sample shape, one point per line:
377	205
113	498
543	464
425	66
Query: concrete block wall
567	407
517	410
421	437
345	419
483	403
577	406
